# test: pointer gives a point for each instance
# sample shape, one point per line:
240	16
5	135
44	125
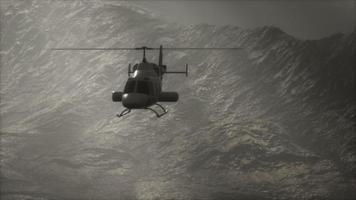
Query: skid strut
157	114
124	112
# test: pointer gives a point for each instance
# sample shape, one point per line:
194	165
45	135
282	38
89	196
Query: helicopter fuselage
143	88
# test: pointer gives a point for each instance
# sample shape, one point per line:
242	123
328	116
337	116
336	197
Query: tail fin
160	62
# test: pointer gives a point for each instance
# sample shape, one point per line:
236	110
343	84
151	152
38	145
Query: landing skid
127	111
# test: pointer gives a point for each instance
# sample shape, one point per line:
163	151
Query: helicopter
143	88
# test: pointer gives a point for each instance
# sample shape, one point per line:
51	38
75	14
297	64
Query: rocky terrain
275	120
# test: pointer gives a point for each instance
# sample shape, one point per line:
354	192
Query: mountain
273	121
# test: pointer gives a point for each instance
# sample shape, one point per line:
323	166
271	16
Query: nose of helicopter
134	100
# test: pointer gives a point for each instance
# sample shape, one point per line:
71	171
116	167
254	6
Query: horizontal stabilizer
168	97
186	71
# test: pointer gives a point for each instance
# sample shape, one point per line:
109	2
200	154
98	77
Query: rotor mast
144	60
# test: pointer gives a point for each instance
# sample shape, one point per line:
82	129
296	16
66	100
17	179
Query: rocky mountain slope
273	121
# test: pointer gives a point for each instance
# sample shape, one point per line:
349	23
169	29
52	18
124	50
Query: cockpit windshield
144	87
130	86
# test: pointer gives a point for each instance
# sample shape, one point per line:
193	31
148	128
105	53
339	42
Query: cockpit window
143	87
130	86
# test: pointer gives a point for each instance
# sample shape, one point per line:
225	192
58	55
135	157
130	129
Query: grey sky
303	19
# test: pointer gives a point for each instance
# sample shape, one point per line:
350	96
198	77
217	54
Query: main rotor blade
94	49
202	48
147	48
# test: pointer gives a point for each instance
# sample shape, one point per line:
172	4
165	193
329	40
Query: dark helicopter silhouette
143	89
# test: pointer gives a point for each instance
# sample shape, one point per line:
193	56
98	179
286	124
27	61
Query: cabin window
130	86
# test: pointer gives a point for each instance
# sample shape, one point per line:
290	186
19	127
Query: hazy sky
301	18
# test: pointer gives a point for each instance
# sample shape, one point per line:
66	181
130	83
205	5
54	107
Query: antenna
160	61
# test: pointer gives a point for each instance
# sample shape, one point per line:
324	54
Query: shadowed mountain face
274	121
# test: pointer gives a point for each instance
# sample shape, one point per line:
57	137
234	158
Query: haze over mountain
303	19
273	121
